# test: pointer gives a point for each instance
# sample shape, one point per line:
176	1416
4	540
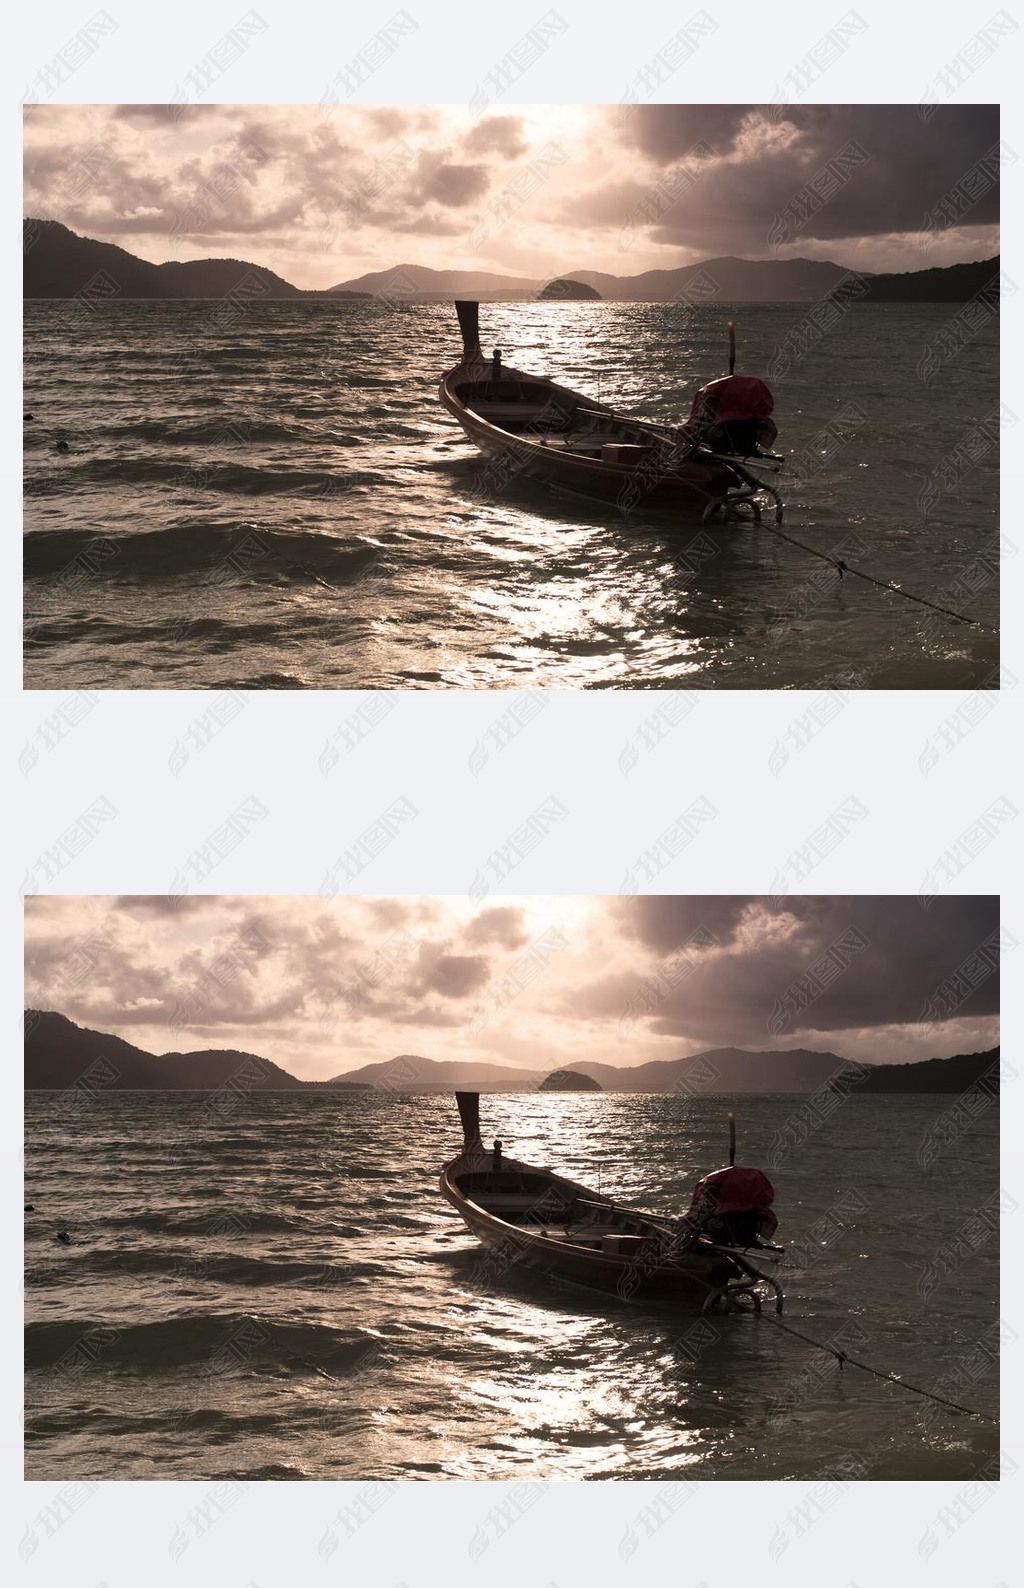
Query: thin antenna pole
732	347
732	1140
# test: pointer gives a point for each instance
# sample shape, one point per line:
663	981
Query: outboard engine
731	415
734	1207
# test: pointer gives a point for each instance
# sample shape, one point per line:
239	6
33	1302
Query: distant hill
957	1074
942	284
411	1073
420	281
58	1053
570	1081
214	278
565	291
717	1070
59	263
722	1070
727	280
734	281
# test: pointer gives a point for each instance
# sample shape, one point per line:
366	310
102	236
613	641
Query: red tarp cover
734	1190
733	397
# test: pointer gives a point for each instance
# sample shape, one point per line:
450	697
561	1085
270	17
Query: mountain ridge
60	263
60	1054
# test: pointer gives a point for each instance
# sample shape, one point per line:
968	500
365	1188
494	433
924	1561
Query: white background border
123	748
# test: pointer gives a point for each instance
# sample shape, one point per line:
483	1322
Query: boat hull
695	485
690	1279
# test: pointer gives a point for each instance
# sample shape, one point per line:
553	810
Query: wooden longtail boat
529	424
532	1215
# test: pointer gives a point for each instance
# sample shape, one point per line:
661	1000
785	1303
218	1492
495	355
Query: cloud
502	924
502	135
163	903
323	988
909	166
667	132
155	115
779	957
453	186
323	200
664	921
452	975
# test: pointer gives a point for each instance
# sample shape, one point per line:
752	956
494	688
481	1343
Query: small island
569	1081
563	290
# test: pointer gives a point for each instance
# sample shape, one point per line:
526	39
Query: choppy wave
190	478
235	553
327	1315
237	1340
156	425
178	432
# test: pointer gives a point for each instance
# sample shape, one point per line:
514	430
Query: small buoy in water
62	446
30	416
64	1237
30	1207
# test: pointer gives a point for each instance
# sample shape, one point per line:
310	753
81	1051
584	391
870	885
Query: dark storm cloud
664	921
905	956
909	166
667	132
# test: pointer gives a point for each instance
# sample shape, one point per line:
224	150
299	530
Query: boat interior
555	1209
558	418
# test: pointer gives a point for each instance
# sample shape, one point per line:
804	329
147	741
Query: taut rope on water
883	584
842	1357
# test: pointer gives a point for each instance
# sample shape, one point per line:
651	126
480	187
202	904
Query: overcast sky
324	194
324	987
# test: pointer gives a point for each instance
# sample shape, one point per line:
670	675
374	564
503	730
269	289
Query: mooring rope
842	1357
883	584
